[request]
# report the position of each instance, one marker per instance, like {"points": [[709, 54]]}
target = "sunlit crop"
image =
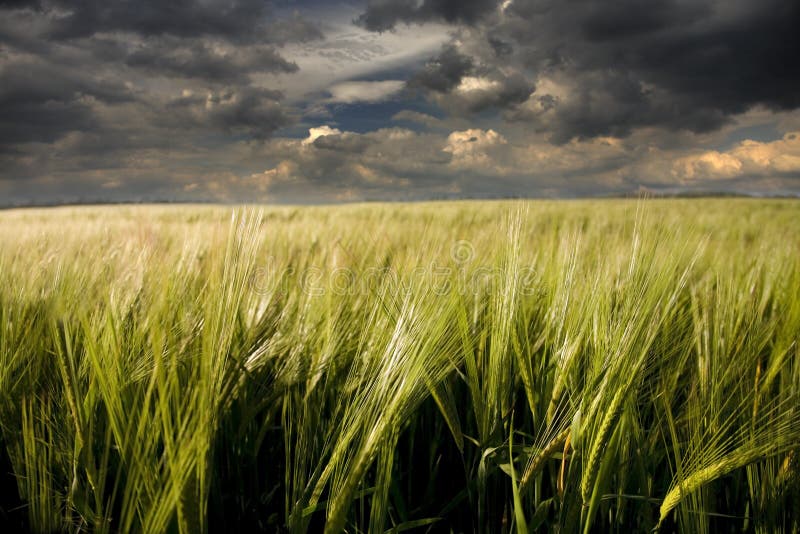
{"points": [[474, 367]]}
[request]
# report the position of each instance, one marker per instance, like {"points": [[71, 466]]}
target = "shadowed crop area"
{"points": [[592, 366]]}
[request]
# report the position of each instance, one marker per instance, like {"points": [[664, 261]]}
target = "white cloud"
{"points": [[321, 131], [746, 158], [352, 92], [781, 156], [471, 141], [348, 52], [417, 117], [470, 84], [705, 166], [470, 147]]}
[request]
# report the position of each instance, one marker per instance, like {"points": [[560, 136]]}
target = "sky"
{"points": [[322, 101]]}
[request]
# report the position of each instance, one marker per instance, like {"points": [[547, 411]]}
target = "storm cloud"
{"points": [[382, 15], [234, 20], [137, 73], [305, 100], [621, 65]]}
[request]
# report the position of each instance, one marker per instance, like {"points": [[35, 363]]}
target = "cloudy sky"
{"points": [[325, 101]]}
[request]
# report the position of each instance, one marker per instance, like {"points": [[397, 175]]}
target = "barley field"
{"points": [[538, 366]]}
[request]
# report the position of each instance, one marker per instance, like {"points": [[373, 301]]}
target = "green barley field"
{"points": [[564, 366]]}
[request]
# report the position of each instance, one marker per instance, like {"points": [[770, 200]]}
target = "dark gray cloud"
{"points": [[234, 19], [348, 165], [118, 100], [382, 15], [675, 64], [290, 29], [444, 72], [40, 102], [612, 103], [347, 143], [253, 112], [724, 55], [34, 81], [201, 60], [179, 99], [71, 19], [491, 90], [696, 65], [460, 84], [501, 48], [111, 70], [20, 4]]}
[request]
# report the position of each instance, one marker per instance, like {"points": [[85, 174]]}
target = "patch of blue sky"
{"points": [[763, 132]]}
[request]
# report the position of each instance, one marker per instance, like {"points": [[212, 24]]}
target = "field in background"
{"points": [[474, 367]]}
